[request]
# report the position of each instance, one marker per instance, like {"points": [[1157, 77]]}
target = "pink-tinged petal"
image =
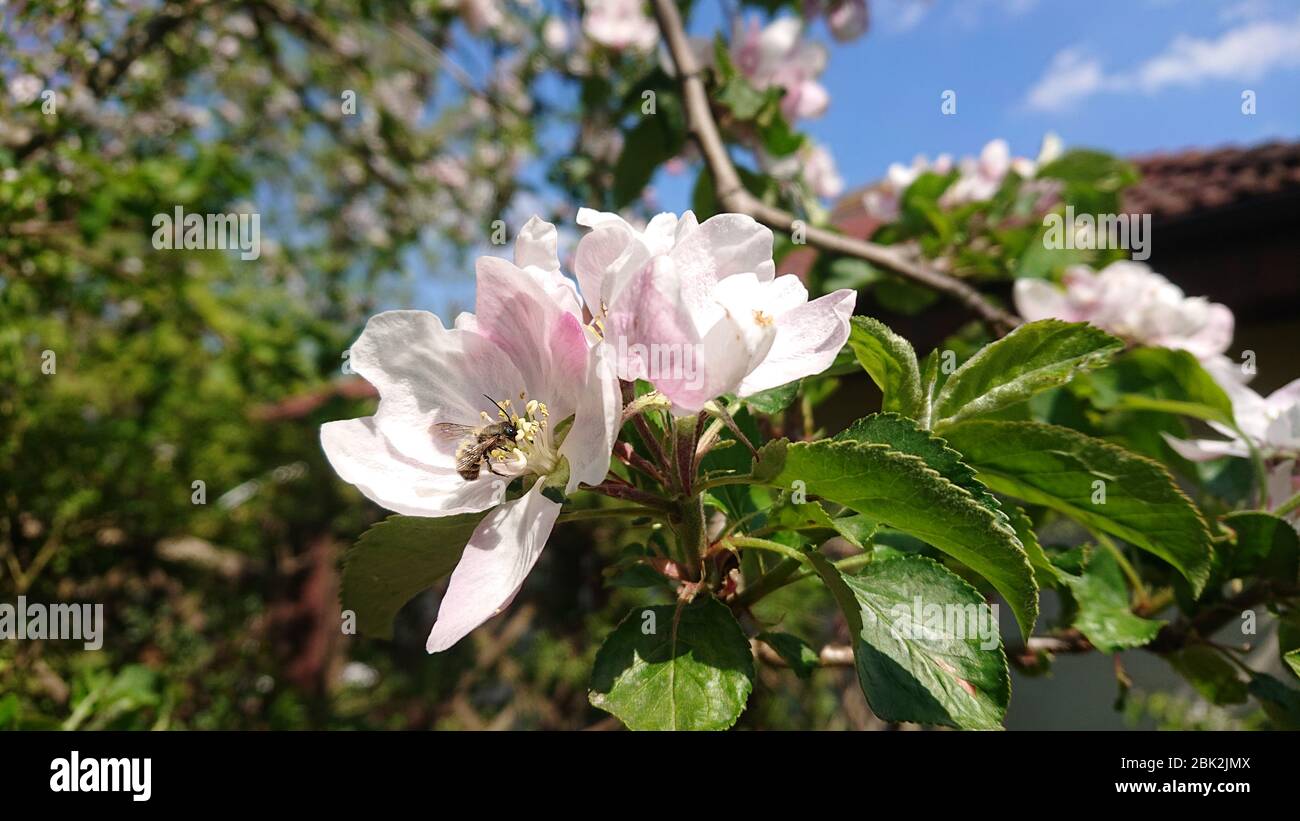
{"points": [[647, 319], [716, 365], [738, 341], [809, 100], [536, 255], [808, 338], [810, 57], [590, 439], [722, 246], [1203, 450], [1037, 299], [425, 374], [544, 341], [497, 559], [778, 39], [596, 254], [362, 456], [995, 159], [847, 19]]}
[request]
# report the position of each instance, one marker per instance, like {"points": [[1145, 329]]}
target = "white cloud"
{"points": [[1246, 52], [1072, 76], [899, 16]]}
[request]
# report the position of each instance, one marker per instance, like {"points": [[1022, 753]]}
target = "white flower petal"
{"points": [[426, 373], [537, 244], [362, 456], [1203, 450], [1038, 299], [590, 439], [808, 338], [497, 559]]}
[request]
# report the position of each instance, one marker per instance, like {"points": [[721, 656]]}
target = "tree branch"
{"points": [[733, 196]]}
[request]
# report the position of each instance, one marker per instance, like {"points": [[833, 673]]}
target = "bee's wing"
{"points": [[470, 455], [450, 430]]}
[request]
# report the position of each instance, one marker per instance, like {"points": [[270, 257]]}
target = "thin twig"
{"points": [[733, 196]]}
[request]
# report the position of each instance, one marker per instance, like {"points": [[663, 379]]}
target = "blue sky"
{"points": [[1128, 76]]}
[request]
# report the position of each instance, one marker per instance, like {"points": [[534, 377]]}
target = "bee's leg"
{"points": [[492, 468]]}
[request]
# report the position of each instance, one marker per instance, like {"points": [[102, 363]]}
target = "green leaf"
{"points": [[891, 363], [695, 674], [919, 209], [925, 643], [1066, 471], [737, 500], [1288, 640], [854, 274], [1045, 572], [794, 651], [1265, 546], [1033, 358], [1292, 659], [1160, 379], [1280, 702], [1092, 168], [779, 138], [1209, 673], [396, 559], [774, 400], [904, 434], [652, 142], [704, 201], [932, 377], [900, 490], [901, 296], [1039, 260], [1104, 614], [745, 101], [811, 516]]}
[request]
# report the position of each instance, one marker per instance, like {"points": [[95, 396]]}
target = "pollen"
{"points": [[530, 449], [763, 319]]}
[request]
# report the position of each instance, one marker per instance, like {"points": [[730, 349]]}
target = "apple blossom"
{"points": [[847, 19], [698, 310], [980, 177], [883, 199], [524, 358], [1271, 424], [1131, 301], [620, 25], [812, 163], [776, 56]]}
